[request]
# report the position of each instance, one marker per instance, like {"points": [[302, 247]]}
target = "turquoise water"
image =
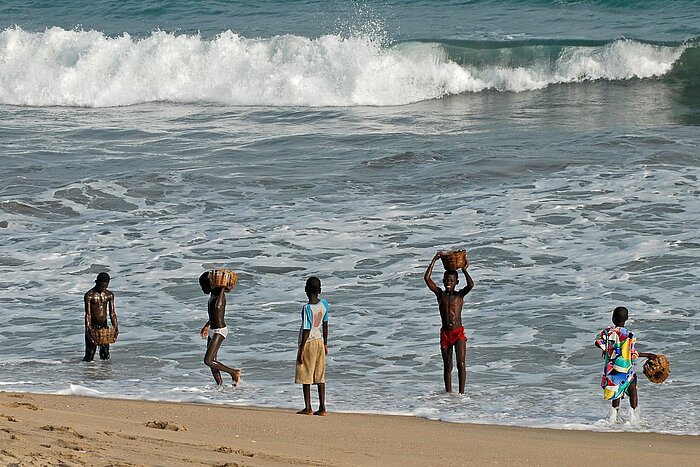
{"points": [[557, 141]]}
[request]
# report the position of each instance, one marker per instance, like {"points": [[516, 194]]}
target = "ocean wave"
{"points": [[61, 67]]}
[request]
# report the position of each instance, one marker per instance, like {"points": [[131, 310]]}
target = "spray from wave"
{"points": [[86, 68]]}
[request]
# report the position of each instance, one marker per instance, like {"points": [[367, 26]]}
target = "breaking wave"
{"points": [[61, 67]]}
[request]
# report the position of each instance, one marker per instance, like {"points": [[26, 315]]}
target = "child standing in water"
{"points": [[452, 333], [99, 302], [619, 376], [215, 331], [313, 347]]}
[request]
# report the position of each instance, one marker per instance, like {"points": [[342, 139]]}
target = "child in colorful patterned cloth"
{"points": [[619, 378]]}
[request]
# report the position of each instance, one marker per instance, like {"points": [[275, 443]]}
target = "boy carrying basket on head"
{"points": [[450, 302], [215, 331]]}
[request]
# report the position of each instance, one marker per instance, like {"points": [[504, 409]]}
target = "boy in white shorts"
{"points": [[215, 331]]}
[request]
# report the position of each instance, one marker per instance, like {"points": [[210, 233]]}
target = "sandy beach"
{"points": [[70, 430]]}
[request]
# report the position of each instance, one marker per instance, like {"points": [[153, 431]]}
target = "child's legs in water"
{"points": [[634, 398], [90, 348], [461, 351], [210, 359], [447, 367], [104, 352], [214, 372]]}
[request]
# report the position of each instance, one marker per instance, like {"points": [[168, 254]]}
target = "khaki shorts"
{"points": [[313, 367]]}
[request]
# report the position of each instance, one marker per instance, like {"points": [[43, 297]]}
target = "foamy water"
{"points": [[87, 68], [555, 244]]}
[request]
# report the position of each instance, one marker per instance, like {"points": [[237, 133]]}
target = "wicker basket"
{"points": [[455, 260], [103, 336], [657, 368], [222, 278]]}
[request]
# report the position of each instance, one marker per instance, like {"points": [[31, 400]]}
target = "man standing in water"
{"points": [[98, 302], [215, 330], [452, 331]]}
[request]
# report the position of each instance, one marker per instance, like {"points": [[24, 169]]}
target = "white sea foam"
{"points": [[78, 390], [87, 68], [30, 361]]}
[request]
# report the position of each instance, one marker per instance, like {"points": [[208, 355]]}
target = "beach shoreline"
{"points": [[40, 429]]}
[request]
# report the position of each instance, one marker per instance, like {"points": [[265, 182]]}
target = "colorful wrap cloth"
{"points": [[449, 337], [617, 344]]}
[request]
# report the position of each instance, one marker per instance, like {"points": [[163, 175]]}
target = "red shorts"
{"points": [[449, 337]]}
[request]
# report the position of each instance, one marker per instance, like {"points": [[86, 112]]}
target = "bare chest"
{"points": [[99, 300]]}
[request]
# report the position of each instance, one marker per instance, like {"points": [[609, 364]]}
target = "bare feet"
{"points": [[236, 376], [320, 412], [305, 412]]}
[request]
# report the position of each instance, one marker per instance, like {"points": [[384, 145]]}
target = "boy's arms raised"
{"points": [[220, 304], [428, 273], [470, 283]]}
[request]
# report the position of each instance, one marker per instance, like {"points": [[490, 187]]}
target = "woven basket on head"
{"points": [[455, 260], [103, 336], [657, 368], [223, 278]]}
